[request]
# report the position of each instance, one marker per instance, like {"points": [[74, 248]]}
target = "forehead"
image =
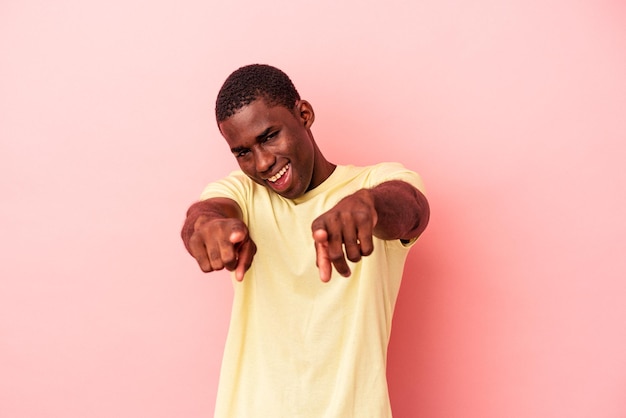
{"points": [[254, 119]]}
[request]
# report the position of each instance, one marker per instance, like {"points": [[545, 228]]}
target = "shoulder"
{"points": [[387, 171], [235, 183]]}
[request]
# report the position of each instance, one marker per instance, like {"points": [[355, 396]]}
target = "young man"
{"points": [[299, 343]]}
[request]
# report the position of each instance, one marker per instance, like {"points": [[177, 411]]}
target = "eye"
{"points": [[271, 136], [243, 153]]}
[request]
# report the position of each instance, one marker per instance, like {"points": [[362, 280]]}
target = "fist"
{"points": [[344, 232], [220, 243]]}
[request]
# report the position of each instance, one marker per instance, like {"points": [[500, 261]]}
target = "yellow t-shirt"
{"points": [[298, 347]]}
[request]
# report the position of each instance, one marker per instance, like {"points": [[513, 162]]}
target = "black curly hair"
{"points": [[251, 82]]}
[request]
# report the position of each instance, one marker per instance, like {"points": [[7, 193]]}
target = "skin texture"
{"points": [[271, 140], [391, 210], [266, 139]]}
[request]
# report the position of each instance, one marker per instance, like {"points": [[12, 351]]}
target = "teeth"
{"points": [[278, 175]]}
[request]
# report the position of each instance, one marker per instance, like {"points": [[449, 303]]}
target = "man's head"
{"points": [[268, 129], [252, 82]]}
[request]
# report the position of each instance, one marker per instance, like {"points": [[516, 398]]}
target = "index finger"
{"points": [[244, 260], [322, 259]]}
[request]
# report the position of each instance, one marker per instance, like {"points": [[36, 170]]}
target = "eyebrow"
{"points": [[259, 138], [265, 133]]}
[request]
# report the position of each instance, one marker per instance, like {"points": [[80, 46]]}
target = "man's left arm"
{"points": [[392, 210]]}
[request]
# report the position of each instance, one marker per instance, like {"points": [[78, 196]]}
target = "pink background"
{"points": [[514, 112]]}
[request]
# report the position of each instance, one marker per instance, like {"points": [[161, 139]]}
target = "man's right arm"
{"points": [[215, 235]]}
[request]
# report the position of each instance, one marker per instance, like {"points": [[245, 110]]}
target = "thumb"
{"points": [[320, 236], [237, 235]]}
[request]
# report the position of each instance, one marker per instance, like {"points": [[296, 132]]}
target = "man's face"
{"points": [[273, 146]]}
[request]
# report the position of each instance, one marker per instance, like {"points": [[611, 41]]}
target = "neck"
{"points": [[322, 168]]}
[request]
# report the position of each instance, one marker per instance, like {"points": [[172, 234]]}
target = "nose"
{"points": [[263, 160]]}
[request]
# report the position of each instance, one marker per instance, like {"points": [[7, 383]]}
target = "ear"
{"points": [[304, 111]]}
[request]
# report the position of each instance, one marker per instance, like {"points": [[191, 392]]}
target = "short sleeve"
{"points": [[235, 186], [395, 171]]}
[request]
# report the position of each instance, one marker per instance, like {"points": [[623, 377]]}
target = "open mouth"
{"points": [[278, 175], [280, 181]]}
